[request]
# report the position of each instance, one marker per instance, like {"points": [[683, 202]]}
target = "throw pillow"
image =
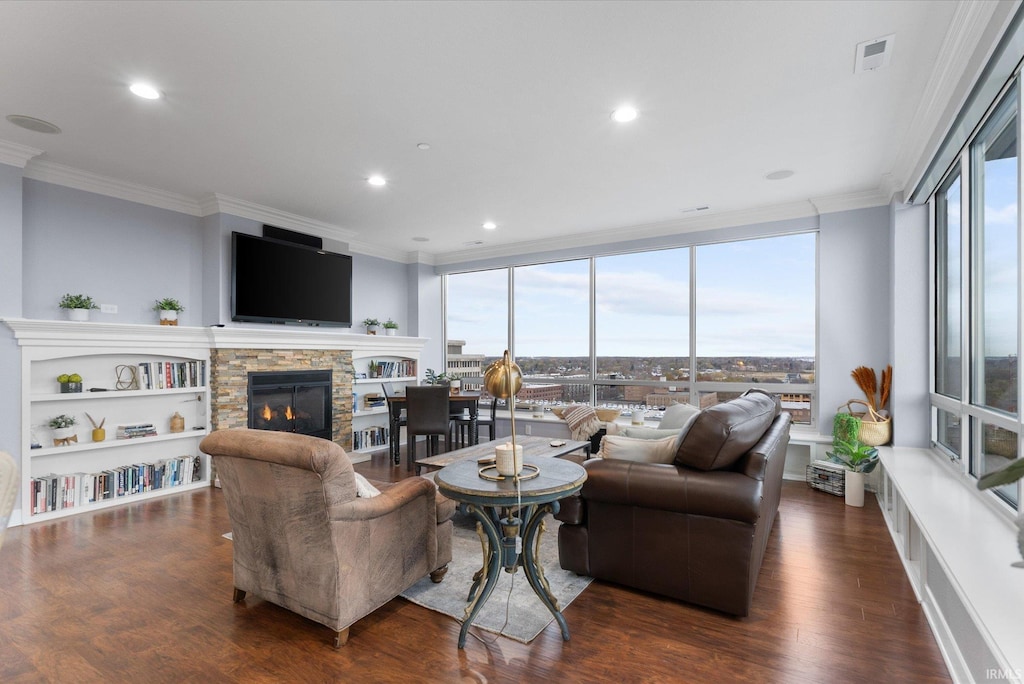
{"points": [[364, 489], [638, 450], [647, 433], [678, 415]]}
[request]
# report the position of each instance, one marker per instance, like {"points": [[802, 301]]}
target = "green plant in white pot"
{"points": [[78, 306], [390, 327], [168, 308], [859, 459], [371, 325], [63, 427]]}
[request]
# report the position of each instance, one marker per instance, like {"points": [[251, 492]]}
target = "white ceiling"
{"points": [[292, 105]]}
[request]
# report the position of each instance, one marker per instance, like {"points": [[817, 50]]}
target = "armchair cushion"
{"points": [[678, 416], [721, 434]]}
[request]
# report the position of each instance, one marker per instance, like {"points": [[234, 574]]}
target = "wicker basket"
{"points": [[827, 477], [875, 429]]}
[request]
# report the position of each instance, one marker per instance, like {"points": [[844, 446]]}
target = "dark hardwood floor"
{"points": [[142, 593]]}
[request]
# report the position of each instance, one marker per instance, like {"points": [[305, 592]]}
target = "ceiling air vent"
{"points": [[874, 54]]}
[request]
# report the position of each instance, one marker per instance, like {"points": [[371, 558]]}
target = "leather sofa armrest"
{"points": [[718, 494], [570, 510]]}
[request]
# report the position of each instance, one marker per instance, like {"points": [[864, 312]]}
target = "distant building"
{"points": [[464, 365], [540, 393]]}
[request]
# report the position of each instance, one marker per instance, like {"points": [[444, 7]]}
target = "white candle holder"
{"points": [[508, 459]]}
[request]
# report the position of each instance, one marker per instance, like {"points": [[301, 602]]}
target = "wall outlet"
{"points": [[108, 308]]}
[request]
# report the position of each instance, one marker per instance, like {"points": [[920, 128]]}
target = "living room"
{"points": [[109, 218]]}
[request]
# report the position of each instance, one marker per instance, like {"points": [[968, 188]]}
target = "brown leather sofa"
{"points": [[304, 540], [695, 529]]}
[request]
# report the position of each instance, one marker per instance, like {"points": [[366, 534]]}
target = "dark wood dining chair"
{"points": [[395, 426], [426, 413]]}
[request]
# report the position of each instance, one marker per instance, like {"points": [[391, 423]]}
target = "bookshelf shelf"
{"points": [[112, 443], [113, 394]]}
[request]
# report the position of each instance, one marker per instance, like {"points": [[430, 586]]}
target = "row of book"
{"points": [[136, 430], [171, 374], [405, 368], [370, 437], [57, 492]]}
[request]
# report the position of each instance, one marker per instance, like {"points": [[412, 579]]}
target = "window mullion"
{"points": [[694, 393]]}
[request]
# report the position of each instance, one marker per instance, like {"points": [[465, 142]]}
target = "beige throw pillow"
{"points": [[638, 450]]}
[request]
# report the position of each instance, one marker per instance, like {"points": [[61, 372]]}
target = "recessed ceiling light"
{"points": [[377, 180], [625, 114], [33, 124], [421, 239], [781, 174], [490, 225], [144, 90], [423, 146]]}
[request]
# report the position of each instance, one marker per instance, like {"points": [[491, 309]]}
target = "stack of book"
{"points": [[136, 430]]}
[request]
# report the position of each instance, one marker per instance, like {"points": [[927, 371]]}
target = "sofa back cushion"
{"points": [[724, 432]]}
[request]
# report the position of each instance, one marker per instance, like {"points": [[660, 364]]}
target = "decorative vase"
{"points": [[854, 488], [78, 314], [371, 330], [168, 317], [70, 387], [177, 422], [391, 331], [638, 417], [99, 435], [455, 386], [64, 436]]}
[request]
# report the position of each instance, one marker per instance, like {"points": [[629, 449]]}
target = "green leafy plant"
{"points": [[62, 421], [168, 304], [370, 322], [432, 378], [855, 455], [77, 301], [390, 324]]}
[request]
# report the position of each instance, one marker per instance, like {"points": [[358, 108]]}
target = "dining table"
{"points": [[458, 401]]}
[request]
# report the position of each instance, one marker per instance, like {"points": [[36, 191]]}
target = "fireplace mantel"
{"points": [[31, 332]]}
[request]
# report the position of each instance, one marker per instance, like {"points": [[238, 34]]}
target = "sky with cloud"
{"points": [[754, 298]]}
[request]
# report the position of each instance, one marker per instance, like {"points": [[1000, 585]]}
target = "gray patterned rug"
{"points": [[519, 615]]}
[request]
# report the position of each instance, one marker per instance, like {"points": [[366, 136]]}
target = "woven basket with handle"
{"points": [[875, 429]]}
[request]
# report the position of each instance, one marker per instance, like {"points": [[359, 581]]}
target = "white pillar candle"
{"points": [[507, 462]]}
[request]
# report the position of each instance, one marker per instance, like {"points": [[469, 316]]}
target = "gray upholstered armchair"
{"points": [[303, 539]]}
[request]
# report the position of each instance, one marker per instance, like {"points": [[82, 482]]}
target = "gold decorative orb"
{"points": [[501, 380]]}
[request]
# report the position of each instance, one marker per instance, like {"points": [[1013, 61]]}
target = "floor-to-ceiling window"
{"points": [[977, 254], [696, 324]]}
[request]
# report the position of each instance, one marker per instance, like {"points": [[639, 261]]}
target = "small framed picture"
{"points": [[360, 376]]}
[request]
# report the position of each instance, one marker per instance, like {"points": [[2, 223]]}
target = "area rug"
{"points": [[521, 615]]}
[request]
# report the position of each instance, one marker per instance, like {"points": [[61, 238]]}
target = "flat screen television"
{"points": [[273, 281]]}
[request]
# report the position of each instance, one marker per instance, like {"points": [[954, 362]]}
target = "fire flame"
{"points": [[266, 412], [288, 413]]}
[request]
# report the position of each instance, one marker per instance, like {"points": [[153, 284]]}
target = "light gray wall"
{"points": [[380, 290], [426, 313], [115, 251], [854, 300], [10, 305], [909, 340]]}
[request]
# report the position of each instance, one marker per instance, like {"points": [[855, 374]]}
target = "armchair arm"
{"points": [[412, 490], [717, 494]]}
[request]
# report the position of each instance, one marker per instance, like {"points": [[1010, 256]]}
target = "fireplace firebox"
{"points": [[291, 401]]}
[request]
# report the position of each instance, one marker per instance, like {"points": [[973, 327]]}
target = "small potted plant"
{"points": [[77, 306], [70, 383], [168, 308], [859, 459], [432, 378], [371, 325], [390, 327], [63, 427]]}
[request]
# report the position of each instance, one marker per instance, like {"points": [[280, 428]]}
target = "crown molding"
{"points": [[963, 36], [379, 251], [223, 204], [727, 219], [58, 174], [17, 155]]}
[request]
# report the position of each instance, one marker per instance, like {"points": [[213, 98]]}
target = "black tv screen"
{"points": [[273, 281]]}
